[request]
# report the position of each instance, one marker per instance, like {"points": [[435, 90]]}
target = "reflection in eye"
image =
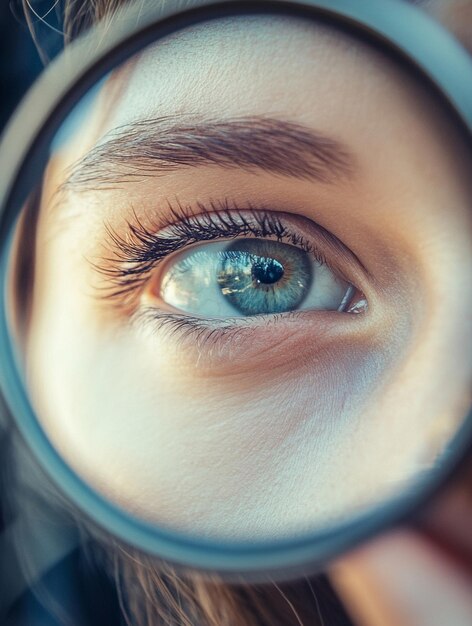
{"points": [[266, 262], [251, 277]]}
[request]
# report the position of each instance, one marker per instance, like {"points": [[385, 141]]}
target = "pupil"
{"points": [[267, 271]]}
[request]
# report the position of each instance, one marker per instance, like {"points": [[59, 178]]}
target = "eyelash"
{"points": [[141, 249]]}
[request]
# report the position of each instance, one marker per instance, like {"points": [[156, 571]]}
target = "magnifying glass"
{"points": [[236, 254]]}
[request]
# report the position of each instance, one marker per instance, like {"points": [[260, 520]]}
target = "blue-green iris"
{"points": [[264, 276]]}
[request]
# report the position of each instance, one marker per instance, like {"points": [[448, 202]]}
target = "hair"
{"points": [[151, 593]]}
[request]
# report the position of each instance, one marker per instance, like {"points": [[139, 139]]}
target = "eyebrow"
{"points": [[155, 146]]}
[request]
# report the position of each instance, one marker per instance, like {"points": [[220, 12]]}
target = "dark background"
{"points": [[20, 61]]}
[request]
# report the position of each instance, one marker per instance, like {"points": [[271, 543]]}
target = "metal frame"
{"points": [[410, 36]]}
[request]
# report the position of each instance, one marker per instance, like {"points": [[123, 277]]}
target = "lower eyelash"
{"points": [[201, 331]]}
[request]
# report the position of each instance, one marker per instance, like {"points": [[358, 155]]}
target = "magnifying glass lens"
{"points": [[239, 296]]}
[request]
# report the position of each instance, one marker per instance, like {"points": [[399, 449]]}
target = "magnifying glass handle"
{"points": [[447, 520], [416, 576]]}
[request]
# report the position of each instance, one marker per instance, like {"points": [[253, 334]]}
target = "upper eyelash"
{"points": [[141, 249]]}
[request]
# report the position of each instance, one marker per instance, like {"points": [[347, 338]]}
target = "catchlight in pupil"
{"points": [[267, 271]]}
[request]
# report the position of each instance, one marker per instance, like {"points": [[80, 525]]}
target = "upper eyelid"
{"points": [[127, 247], [225, 212]]}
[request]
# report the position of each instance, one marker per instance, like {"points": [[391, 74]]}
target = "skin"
{"points": [[294, 422]]}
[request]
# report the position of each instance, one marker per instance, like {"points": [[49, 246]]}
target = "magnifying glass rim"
{"points": [[435, 54]]}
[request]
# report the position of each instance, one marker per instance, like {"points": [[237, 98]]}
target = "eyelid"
{"points": [[147, 242], [211, 347]]}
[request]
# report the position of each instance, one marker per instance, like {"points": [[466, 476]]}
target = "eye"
{"points": [[246, 277], [221, 262]]}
